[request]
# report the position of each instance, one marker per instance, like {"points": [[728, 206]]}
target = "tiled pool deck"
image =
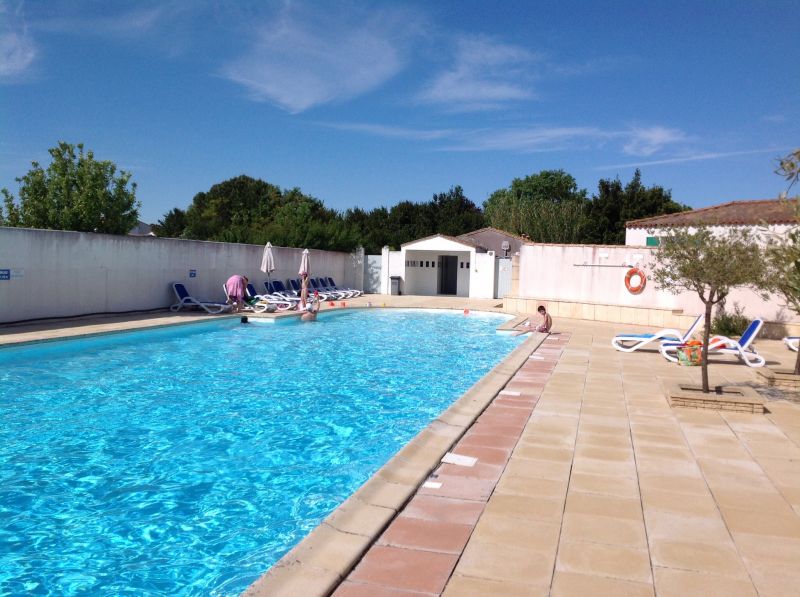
{"points": [[587, 482]]}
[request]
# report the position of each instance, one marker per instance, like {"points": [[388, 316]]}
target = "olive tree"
{"points": [[783, 254], [75, 192], [709, 264]]}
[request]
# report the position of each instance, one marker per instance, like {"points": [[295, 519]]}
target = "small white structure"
{"points": [[441, 265]]}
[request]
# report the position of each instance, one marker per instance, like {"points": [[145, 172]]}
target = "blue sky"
{"points": [[370, 103]]}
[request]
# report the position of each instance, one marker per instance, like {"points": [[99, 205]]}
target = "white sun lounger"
{"points": [[792, 342], [722, 345], [187, 300], [631, 342]]}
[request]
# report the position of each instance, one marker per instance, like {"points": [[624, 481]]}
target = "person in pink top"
{"points": [[236, 289]]}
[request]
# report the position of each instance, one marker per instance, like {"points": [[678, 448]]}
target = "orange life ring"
{"points": [[635, 271]]}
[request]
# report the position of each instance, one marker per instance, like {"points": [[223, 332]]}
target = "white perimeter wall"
{"points": [[60, 274], [596, 274]]}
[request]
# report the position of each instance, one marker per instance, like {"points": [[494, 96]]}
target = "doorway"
{"points": [[448, 274]]}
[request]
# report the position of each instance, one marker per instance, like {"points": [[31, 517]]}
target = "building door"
{"points": [[448, 274], [503, 280]]}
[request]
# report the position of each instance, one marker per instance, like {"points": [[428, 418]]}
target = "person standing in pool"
{"points": [[236, 289], [311, 309], [303, 290]]}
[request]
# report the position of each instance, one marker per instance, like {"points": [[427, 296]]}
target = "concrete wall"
{"points": [[392, 264], [372, 274], [421, 273], [60, 274], [595, 275]]}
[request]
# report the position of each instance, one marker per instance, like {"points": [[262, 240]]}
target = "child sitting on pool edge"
{"points": [[547, 321]]}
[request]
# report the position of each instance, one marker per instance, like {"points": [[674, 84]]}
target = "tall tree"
{"points": [[547, 206], [172, 225], [709, 265], [614, 205], [75, 192], [454, 213], [230, 209]]}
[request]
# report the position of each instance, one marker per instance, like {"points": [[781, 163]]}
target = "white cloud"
{"points": [[17, 48], [650, 140], [486, 74], [301, 62], [528, 140], [693, 158], [396, 132], [17, 53]]}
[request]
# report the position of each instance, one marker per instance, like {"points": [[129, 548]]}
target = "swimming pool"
{"points": [[188, 460]]}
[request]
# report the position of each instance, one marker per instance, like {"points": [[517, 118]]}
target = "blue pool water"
{"points": [[186, 461]]}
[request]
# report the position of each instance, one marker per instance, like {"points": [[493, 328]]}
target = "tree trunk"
{"points": [[797, 364], [706, 336]]}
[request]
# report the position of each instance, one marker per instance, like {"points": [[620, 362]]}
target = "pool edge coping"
{"points": [[324, 558]]}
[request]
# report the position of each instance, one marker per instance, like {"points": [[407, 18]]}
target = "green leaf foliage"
{"points": [[248, 210], [547, 206], [783, 261], [75, 192], [614, 205], [172, 225], [709, 264]]}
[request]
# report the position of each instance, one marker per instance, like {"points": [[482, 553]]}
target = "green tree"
{"points": [[614, 205], [454, 214], [75, 192], [371, 228], [709, 265], [783, 254], [231, 210], [172, 225], [547, 206], [408, 221]]}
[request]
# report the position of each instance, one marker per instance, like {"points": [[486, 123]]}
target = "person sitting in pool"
{"points": [[547, 321], [236, 290], [311, 309]]}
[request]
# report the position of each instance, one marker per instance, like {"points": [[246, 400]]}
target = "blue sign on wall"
{"points": [[192, 273], [5, 274]]}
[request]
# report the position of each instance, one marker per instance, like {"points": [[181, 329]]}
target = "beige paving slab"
{"points": [[570, 584], [680, 583], [604, 560]]}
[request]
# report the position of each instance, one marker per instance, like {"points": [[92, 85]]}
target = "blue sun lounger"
{"points": [[332, 284], [187, 300], [631, 342], [722, 345]]}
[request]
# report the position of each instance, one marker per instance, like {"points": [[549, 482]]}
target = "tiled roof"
{"points": [[733, 213], [492, 229]]}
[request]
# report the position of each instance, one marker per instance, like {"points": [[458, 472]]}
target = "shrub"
{"points": [[729, 324]]}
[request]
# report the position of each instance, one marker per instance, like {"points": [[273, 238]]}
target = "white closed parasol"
{"points": [[268, 262], [305, 269]]}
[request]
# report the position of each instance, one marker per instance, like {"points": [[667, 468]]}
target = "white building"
{"points": [[771, 215], [476, 265]]}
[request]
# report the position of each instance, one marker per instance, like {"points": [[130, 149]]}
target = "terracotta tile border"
{"points": [[407, 516], [319, 563]]}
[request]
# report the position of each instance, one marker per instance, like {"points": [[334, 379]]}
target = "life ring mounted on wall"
{"points": [[639, 287]]}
